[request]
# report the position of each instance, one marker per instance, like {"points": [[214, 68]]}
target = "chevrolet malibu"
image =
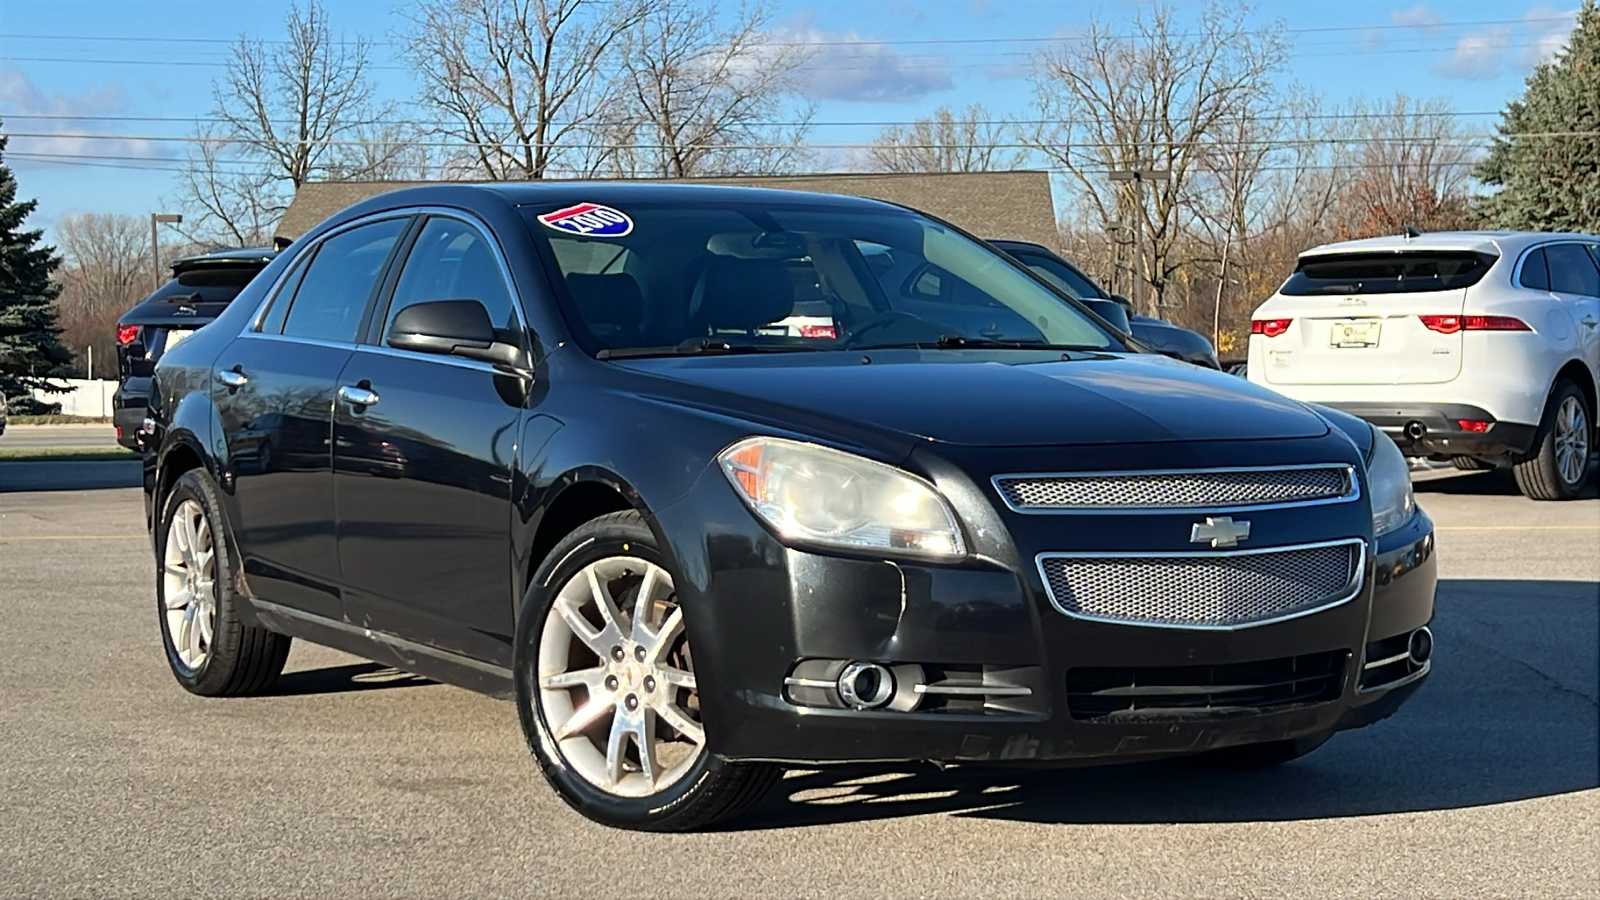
{"points": [[553, 442]]}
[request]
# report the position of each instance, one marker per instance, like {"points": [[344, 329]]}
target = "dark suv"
{"points": [[201, 288], [548, 441]]}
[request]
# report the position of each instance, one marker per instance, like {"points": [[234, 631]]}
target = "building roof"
{"points": [[1013, 205]]}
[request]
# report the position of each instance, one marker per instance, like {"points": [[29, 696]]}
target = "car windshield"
{"points": [[755, 278], [1387, 273]]}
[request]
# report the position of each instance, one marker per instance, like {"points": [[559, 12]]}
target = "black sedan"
{"points": [[1157, 334], [201, 287], [565, 443]]}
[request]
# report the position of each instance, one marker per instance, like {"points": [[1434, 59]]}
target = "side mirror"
{"points": [[1122, 301], [453, 328], [1113, 313]]}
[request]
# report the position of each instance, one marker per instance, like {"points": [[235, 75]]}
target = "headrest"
{"points": [[613, 300], [743, 293]]}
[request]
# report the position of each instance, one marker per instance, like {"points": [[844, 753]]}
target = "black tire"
{"points": [[1251, 757], [1470, 464], [241, 660], [1538, 473], [711, 791]]}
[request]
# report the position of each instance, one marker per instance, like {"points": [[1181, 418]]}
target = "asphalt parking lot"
{"points": [[357, 781]]}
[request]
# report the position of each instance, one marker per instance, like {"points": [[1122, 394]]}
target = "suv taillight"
{"points": [[127, 334], [1453, 324], [1269, 327]]}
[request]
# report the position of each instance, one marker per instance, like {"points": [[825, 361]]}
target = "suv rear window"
{"points": [[207, 284], [1387, 273]]}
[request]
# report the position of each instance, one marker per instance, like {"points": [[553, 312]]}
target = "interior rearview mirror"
{"points": [[454, 328]]}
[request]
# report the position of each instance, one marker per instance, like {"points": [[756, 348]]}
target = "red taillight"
{"points": [[1473, 425], [818, 331], [1269, 327], [127, 334], [1453, 324]]}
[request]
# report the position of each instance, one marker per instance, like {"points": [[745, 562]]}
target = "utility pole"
{"points": [[155, 241], [1138, 177]]}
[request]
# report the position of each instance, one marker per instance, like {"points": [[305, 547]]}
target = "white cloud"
{"points": [[1551, 28], [20, 96], [846, 66], [1478, 55], [1419, 16]]}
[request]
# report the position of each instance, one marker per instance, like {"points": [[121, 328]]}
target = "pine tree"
{"points": [[30, 343], [1546, 161]]}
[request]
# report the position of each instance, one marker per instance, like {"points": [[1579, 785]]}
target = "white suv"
{"points": [[1481, 347]]}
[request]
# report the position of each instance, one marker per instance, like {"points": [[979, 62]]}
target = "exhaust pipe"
{"points": [[1421, 645], [1416, 430], [865, 685]]}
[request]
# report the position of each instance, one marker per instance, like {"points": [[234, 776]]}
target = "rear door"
{"points": [[1575, 282], [423, 472], [1372, 318], [274, 397]]}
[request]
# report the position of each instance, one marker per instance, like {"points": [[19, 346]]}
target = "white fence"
{"points": [[89, 398]]}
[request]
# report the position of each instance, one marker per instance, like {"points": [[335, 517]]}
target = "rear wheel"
{"points": [[607, 691], [210, 651], [1558, 465]]}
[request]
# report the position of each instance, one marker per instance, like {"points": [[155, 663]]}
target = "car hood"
{"points": [[992, 399]]}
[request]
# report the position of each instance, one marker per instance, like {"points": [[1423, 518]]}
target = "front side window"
{"points": [[332, 296], [452, 260], [800, 278], [1387, 272], [1572, 270]]}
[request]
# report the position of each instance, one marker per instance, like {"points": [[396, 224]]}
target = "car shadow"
{"points": [[345, 679], [1509, 713]]}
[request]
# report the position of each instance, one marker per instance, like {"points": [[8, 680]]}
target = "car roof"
{"points": [[1494, 242]]}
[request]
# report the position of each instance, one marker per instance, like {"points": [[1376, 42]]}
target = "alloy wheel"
{"points": [[616, 682], [189, 584], [1571, 440]]}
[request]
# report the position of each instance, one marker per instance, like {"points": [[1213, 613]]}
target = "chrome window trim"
{"points": [[253, 324], [1357, 580], [1354, 493], [309, 342], [459, 362]]}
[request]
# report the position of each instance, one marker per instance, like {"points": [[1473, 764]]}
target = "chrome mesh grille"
{"points": [[1199, 590], [1199, 489]]}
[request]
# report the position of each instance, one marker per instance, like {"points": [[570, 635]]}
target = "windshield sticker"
{"points": [[589, 220]]}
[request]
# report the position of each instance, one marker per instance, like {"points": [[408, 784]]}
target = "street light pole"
{"points": [[155, 241], [1139, 177]]}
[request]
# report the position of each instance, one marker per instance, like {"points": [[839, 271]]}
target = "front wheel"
{"points": [[607, 691], [1558, 465]]}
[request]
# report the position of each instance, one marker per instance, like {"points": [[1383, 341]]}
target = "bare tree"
{"points": [[703, 98], [1148, 102], [105, 271], [1413, 168], [227, 200], [968, 141], [520, 81]]}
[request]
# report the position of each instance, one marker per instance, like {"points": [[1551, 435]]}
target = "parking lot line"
{"points": [[72, 537]]}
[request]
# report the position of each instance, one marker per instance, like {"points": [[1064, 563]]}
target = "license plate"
{"points": [[1360, 333], [177, 334]]}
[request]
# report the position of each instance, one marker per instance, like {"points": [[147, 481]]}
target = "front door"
{"points": [[274, 396], [1575, 281], [424, 447]]}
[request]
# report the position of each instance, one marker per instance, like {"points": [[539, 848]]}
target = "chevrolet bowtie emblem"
{"points": [[1221, 531]]}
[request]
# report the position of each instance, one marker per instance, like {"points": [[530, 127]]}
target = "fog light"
{"points": [[865, 685]]}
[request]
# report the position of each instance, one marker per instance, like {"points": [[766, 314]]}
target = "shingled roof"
{"points": [[1012, 205]]}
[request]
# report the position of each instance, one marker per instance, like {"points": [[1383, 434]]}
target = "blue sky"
{"points": [[110, 58]]}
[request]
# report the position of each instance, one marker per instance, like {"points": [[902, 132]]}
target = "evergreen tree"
{"points": [[1546, 161], [30, 343]]}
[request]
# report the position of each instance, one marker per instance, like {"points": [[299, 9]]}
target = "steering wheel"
{"points": [[880, 322]]}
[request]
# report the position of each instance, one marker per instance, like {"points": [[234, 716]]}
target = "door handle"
{"points": [[357, 396], [232, 378], [1589, 322]]}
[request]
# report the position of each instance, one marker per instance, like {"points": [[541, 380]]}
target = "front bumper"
{"points": [[760, 609]]}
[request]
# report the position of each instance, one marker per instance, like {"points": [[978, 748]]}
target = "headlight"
{"points": [[816, 495], [1389, 479]]}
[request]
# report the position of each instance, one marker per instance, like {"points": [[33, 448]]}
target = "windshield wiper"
{"points": [[700, 347], [962, 342]]}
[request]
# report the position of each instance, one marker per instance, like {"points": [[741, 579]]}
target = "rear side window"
{"points": [[1535, 274], [1387, 273], [1572, 270], [332, 296]]}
